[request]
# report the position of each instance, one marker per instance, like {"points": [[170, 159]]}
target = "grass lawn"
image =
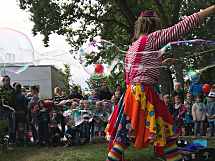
{"points": [[94, 152]]}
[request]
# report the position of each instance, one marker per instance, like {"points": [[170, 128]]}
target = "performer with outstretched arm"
{"points": [[141, 112]]}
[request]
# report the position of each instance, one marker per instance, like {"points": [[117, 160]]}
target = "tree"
{"points": [[112, 19], [96, 81], [83, 19], [67, 78], [80, 20]]}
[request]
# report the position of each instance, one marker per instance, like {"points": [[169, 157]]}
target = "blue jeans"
{"points": [[188, 129], [211, 127], [199, 128]]}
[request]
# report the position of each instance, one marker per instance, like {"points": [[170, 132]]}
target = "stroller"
{"points": [[7, 125]]}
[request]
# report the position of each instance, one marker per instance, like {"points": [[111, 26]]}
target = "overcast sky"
{"points": [[13, 17]]}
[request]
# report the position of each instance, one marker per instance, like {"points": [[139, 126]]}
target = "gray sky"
{"points": [[13, 17]]}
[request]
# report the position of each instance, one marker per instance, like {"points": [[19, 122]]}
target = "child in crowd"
{"points": [[107, 107], [100, 119], [93, 97], [34, 108], [83, 124], [168, 103], [81, 104], [199, 115], [43, 121], [81, 110], [114, 101], [72, 133], [210, 112], [179, 111], [178, 90], [74, 110], [85, 128], [188, 120], [87, 106], [54, 130]]}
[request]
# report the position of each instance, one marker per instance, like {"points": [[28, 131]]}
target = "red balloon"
{"points": [[99, 68], [206, 88]]}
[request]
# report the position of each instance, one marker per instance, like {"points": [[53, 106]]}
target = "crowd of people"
{"points": [[194, 115], [67, 120], [76, 119]]}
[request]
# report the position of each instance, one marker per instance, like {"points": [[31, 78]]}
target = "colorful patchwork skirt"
{"points": [[140, 117]]}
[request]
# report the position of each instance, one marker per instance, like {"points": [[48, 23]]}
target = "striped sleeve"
{"points": [[162, 37]]}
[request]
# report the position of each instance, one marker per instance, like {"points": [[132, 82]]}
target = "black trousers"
{"points": [[43, 132]]}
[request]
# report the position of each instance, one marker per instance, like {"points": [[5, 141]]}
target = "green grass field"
{"points": [[93, 152]]}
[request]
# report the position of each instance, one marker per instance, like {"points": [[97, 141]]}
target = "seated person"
{"points": [[100, 119], [54, 131]]}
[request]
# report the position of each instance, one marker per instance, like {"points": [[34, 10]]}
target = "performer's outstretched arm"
{"points": [[206, 12], [162, 37]]}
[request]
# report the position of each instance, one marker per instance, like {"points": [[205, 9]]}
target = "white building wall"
{"points": [[34, 75]]}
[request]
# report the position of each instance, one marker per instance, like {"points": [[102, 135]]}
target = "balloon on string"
{"points": [[99, 69], [206, 88]]}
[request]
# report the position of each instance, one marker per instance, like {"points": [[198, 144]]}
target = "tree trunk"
{"points": [[179, 73], [166, 81]]}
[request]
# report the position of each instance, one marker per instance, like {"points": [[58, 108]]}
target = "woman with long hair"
{"points": [[141, 111]]}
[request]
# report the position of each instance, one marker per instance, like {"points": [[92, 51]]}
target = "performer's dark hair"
{"points": [[146, 25]]}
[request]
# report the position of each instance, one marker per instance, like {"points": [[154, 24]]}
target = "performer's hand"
{"points": [[206, 12]]}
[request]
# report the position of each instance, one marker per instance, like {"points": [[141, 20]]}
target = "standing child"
{"points": [[210, 112], [168, 102], [188, 120], [199, 115], [43, 122], [179, 111], [178, 90], [34, 108]]}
